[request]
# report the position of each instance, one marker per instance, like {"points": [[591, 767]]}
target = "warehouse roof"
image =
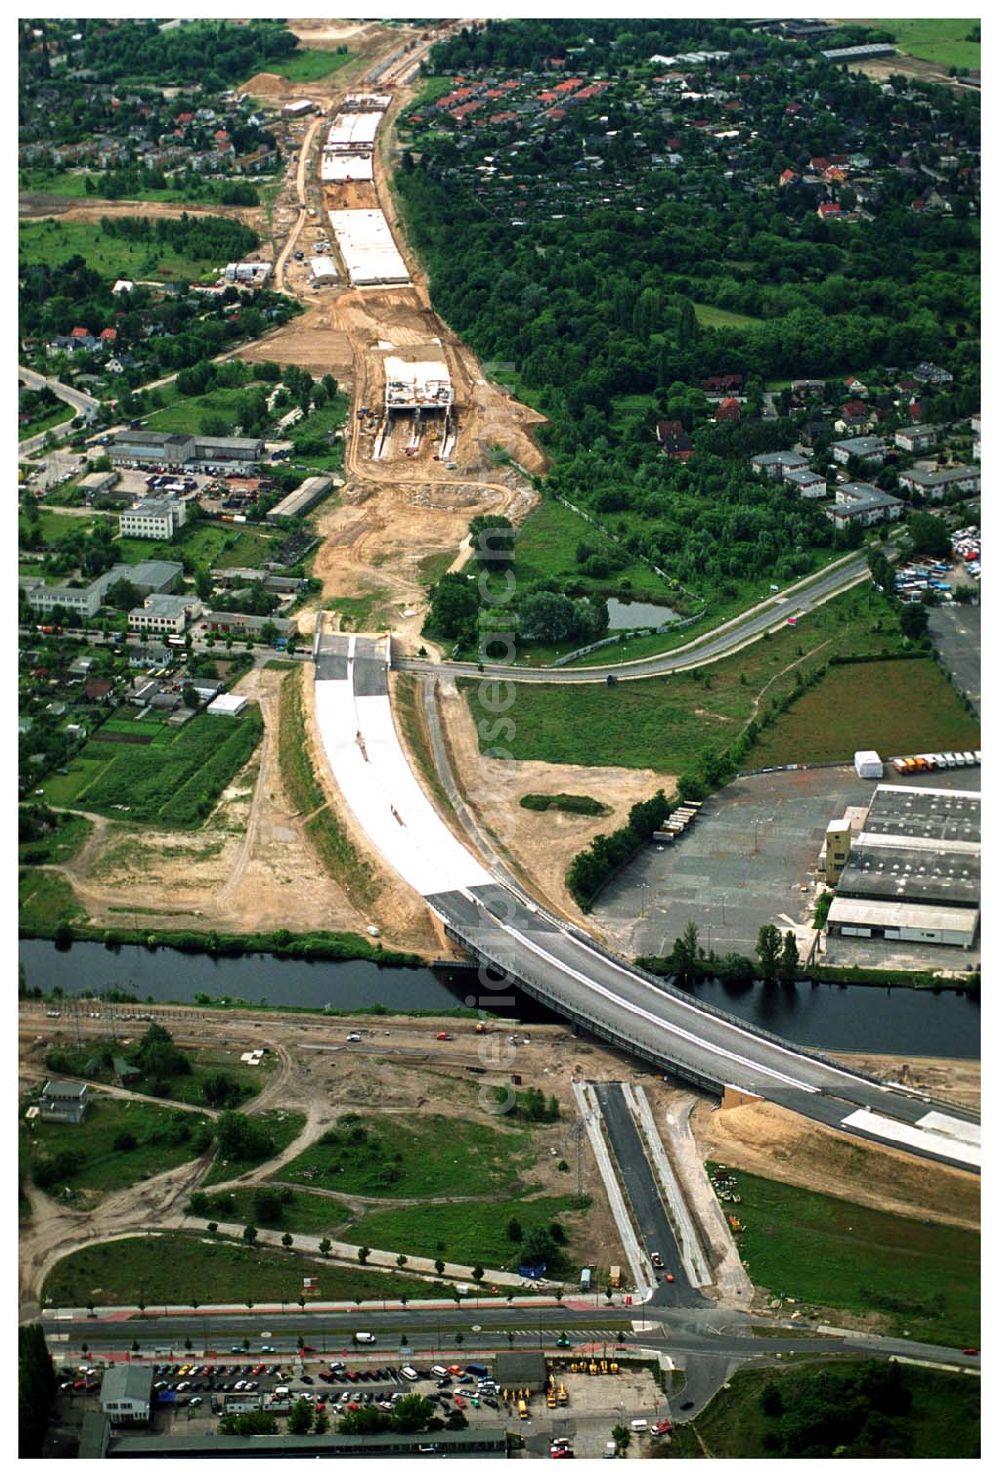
{"points": [[885, 913], [911, 873], [911, 811]]}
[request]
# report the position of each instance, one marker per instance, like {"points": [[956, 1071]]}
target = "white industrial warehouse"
{"points": [[367, 247]]}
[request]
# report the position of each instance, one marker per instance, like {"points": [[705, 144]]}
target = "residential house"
{"points": [[775, 464], [932, 374], [728, 409], [856, 413], [809, 484], [674, 440], [944, 480], [863, 503], [916, 438], [868, 448]]}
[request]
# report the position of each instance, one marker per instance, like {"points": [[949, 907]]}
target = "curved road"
{"points": [[769, 615]]}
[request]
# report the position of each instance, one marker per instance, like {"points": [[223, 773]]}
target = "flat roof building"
{"points": [[64, 1101], [304, 497], [165, 613], [808, 483], [775, 464], [913, 870], [862, 502], [152, 518], [943, 480]]}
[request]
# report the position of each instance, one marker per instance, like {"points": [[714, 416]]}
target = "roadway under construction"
{"points": [[572, 973]]}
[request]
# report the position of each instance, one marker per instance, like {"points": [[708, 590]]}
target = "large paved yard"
{"points": [[749, 860]]}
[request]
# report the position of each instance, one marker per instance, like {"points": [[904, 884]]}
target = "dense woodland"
{"points": [[212, 52], [593, 302]]}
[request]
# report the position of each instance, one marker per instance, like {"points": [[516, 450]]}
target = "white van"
{"points": [[280, 1392], [439, 1371], [364, 1339], [408, 1373], [639, 1424]]}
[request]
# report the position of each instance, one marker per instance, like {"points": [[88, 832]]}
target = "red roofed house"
{"points": [[185, 117], [819, 164], [108, 335], [915, 410], [792, 108], [718, 383], [674, 440], [556, 113], [855, 413], [728, 409], [505, 117], [220, 136], [835, 172], [788, 177], [827, 209], [79, 333]]}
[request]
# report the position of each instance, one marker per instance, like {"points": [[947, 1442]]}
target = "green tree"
{"points": [[439, 1265], [412, 1413], [300, 1418], [929, 535], [913, 620], [789, 963], [250, 1234], [286, 1240], [685, 957], [769, 947], [325, 1246], [363, 1255], [621, 1437]]}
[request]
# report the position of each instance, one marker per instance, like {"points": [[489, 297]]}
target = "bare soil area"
{"points": [[34, 205], [954, 1079], [770, 1141], [249, 868], [539, 844]]}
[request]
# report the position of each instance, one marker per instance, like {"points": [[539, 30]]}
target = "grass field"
{"points": [[667, 723], [308, 66], [66, 182], [470, 1231], [58, 845], [162, 1140], [355, 610], [44, 900], [175, 1267], [546, 549], [316, 1216], [173, 782], [820, 1250], [113, 256], [55, 526], [941, 41], [283, 1126], [734, 1425], [414, 1155], [206, 544], [191, 412], [709, 316], [54, 417], [906, 706]]}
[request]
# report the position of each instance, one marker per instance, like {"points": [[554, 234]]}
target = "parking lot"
{"points": [[750, 859], [590, 1394], [957, 634]]}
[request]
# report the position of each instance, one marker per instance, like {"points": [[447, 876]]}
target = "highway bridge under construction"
{"points": [[562, 966]]}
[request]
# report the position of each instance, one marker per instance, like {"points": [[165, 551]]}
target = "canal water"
{"points": [[850, 1018]]}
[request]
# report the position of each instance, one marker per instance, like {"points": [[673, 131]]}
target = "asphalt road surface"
{"points": [[569, 972], [648, 1213]]}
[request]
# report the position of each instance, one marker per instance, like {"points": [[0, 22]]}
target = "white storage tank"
{"points": [[867, 764]]}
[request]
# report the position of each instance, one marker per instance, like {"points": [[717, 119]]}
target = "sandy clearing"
{"points": [[770, 1141], [954, 1080]]}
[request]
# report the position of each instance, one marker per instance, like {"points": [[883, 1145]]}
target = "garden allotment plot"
{"points": [[150, 772]]}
